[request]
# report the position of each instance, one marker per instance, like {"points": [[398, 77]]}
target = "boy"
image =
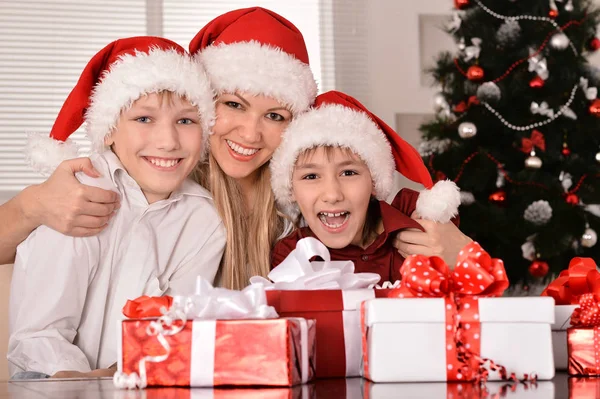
{"points": [[335, 166], [147, 107]]}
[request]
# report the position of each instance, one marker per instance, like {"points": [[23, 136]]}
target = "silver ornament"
{"points": [[439, 102], [598, 157], [559, 41], [533, 162], [466, 130], [589, 238], [489, 92], [569, 6]]}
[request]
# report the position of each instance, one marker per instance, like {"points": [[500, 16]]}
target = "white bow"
{"points": [[538, 65], [454, 24], [569, 113], [590, 92], [296, 272], [542, 109], [474, 50]]}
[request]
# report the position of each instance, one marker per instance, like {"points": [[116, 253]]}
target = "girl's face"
{"points": [[247, 131], [332, 187]]}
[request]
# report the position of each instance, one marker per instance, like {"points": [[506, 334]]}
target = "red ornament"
{"points": [[566, 151], [553, 13], [595, 108], [499, 197], [594, 44], [536, 83], [475, 72], [538, 268], [572, 199], [462, 4]]}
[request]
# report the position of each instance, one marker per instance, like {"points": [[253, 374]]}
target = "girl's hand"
{"points": [[69, 207]]}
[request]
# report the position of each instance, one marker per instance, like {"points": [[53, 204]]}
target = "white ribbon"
{"points": [[474, 50], [297, 272], [386, 285], [454, 24], [590, 92], [538, 65], [542, 109]]}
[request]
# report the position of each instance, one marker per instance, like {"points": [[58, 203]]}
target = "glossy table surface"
{"points": [[561, 387]]}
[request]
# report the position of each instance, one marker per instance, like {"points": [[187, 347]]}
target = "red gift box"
{"points": [[270, 352], [338, 331]]}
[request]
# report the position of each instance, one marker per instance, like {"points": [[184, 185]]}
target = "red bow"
{"points": [[475, 273], [580, 278], [463, 106], [588, 312], [146, 306], [537, 139]]}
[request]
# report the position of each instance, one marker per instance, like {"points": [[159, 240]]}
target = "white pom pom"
{"points": [[538, 213], [440, 203], [44, 153]]}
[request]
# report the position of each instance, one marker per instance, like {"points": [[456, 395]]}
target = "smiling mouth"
{"points": [[334, 220], [238, 149], [164, 163]]}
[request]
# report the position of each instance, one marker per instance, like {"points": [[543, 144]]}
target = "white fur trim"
{"points": [[338, 126], [133, 76], [261, 70], [439, 203], [44, 153]]}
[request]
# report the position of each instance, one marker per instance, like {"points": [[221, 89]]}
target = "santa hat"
{"points": [[339, 120], [257, 51], [114, 78]]}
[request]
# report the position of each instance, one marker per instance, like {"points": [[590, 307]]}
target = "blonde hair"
{"points": [[251, 234]]}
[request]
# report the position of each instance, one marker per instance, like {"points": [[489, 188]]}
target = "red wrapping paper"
{"points": [[326, 307], [584, 388], [247, 352]]}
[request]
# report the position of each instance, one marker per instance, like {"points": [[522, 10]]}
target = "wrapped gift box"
{"points": [[406, 340], [338, 325], [584, 388], [562, 321], [271, 352], [584, 350], [305, 391]]}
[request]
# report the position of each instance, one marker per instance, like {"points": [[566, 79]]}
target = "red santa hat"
{"points": [[339, 120], [258, 51], [114, 78]]}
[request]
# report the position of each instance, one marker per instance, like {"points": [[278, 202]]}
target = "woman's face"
{"points": [[247, 131]]}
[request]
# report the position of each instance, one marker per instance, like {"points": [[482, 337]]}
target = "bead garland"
{"points": [[536, 124]]}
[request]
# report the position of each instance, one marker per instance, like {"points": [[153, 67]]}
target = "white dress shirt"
{"points": [[67, 293]]}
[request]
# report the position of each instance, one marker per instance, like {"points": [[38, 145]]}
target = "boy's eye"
{"points": [[349, 173], [275, 117], [310, 176], [233, 104], [143, 119], [185, 121]]}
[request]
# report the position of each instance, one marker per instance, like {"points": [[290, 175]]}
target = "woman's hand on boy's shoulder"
{"points": [[69, 207], [439, 239]]}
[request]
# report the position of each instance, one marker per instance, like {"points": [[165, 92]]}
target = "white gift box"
{"points": [[406, 338], [562, 321]]}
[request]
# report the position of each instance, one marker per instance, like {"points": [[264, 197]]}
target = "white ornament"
{"points": [[589, 238], [594, 209], [489, 92], [454, 24], [508, 33], [538, 64], [533, 162], [590, 92], [439, 102], [559, 41], [598, 157], [541, 109], [473, 50], [466, 198], [538, 213], [528, 249], [466, 130], [566, 180]]}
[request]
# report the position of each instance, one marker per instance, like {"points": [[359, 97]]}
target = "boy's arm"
{"points": [[48, 292], [61, 202]]}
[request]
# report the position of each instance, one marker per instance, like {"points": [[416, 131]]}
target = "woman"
{"points": [[258, 64]]}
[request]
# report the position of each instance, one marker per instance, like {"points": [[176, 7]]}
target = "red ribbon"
{"points": [[537, 139], [580, 278], [463, 106], [146, 306]]}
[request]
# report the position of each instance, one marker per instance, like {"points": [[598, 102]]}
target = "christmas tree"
{"points": [[517, 127]]}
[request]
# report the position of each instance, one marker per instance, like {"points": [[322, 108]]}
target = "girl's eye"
{"points": [[349, 173], [143, 119], [185, 121], [233, 104], [310, 176], [275, 117]]}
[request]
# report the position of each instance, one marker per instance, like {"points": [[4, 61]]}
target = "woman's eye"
{"points": [[349, 173], [275, 117], [143, 119], [233, 104], [310, 176], [185, 121]]}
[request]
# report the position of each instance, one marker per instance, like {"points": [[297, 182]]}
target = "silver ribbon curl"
{"points": [[538, 65], [473, 51], [590, 92], [542, 109]]}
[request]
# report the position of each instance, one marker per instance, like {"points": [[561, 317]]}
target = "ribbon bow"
{"points": [[538, 64], [456, 21], [580, 278], [475, 273], [536, 140], [542, 109], [463, 106], [474, 50], [588, 312], [297, 272], [590, 92]]}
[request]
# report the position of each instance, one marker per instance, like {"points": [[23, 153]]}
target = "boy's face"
{"points": [[158, 141], [333, 187]]}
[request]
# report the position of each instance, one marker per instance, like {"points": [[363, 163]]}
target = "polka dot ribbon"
{"points": [[580, 278]]}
